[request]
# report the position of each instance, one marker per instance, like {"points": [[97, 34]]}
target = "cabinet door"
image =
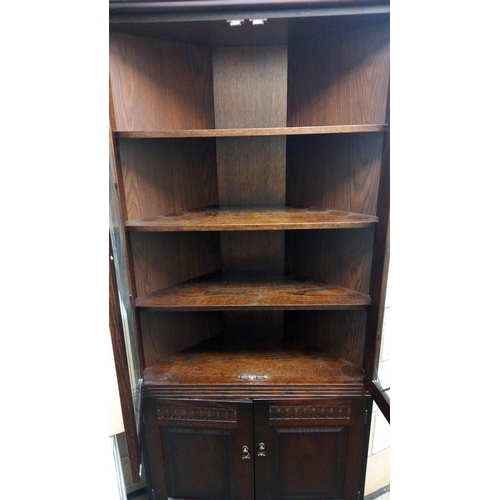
{"points": [[196, 449], [309, 449]]}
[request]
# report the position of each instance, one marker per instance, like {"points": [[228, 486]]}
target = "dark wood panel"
{"points": [[164, 259], [339, 79], [251, 170], [155, 454], [252, 291], [160, 85], [253, 250], [250, 86], [337, 172], [357, 449], [340, 257], [203, 445], [253, 326], [341, 333], [366, 74], [167, 176], [250, 91], [253, 218], [182, 6], [252, 132], [167, 333], [306, 448]]}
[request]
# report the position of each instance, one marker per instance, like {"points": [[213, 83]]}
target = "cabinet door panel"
{"points": [[310, 461], [307, 453], [201, 447]]}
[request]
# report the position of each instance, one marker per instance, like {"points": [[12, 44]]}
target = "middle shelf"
{"points": [[252, 218], [252, 290]]}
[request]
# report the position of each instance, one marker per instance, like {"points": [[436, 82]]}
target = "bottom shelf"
{"points": [[253, 370]]}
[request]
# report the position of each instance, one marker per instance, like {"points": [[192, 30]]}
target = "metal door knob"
{"points": [[246, 453]]}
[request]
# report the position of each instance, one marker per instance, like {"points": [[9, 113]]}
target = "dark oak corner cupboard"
{"points": [[250, 164]]}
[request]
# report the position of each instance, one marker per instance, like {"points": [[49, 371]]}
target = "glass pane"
{"points": [[118, 243], [383, 372]]}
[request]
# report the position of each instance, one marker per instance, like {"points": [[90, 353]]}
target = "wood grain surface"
{"points": [[250, 86], [165, 259], [339, 78], [230, 290], [252, 132], [340, 333], [160, 85], [167, 176], [341, 257], [251, 170], [167, 333], [246, 250], [338, 172], [282, 364], [224, 149], [252, 218]]}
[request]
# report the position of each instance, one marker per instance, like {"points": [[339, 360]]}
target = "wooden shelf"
{"points": [[252, 290], [290, 370], [253, 218], [251, 132]]}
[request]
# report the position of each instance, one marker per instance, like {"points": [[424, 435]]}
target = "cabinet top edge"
{"points": [[194, 10]]}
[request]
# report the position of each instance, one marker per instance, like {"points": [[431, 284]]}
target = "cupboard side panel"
{"points": [[365, 71], [165, 259], [160, 85], [165, 176], [340, 78], [167, 333], [340, 333], [339, 257], [339, 172]]}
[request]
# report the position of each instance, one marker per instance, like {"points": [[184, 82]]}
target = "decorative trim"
{"points": [[196, 413], [330, 412]]}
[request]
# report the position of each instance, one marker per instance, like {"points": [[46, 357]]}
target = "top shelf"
{"points": [[251, 132]]}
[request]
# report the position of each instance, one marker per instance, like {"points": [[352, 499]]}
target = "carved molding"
{"points": [[309, 412], [197, 413]]}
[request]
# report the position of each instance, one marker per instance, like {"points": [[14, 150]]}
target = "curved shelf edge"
{"points": [[250, 132], [252, 218], [251, 291]]}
